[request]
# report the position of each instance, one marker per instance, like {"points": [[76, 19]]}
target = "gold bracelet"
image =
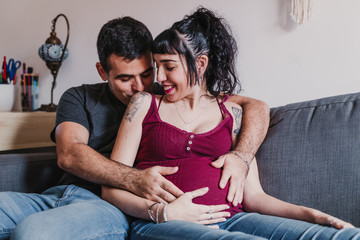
{"points": [[242, 158]]}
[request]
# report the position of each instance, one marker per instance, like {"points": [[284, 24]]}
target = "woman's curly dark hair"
{"points": [[198, 34]]}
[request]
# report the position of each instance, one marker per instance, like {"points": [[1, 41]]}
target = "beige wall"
{"points": [[279, 61]]}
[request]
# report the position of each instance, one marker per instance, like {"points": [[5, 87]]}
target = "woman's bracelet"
{"points": [[242, 158], [157, 213], [156, 219], [149, 211], [164, 212]]}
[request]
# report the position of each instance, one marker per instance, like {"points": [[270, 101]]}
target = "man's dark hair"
{"points": [[125, 37]]}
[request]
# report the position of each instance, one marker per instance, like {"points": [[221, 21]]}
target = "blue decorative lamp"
{"points": [[52, 52]]}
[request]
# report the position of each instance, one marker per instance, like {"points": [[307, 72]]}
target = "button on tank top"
{"points": [[163, 144]]}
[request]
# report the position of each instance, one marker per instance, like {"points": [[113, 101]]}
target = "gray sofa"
{"points": [[311, 156]]}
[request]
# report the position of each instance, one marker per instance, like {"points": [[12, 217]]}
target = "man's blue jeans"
{"points": [[244, 226], [62, 212]]}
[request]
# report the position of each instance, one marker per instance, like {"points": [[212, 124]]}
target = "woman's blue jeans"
{"points": [[247, 226], [62, 212]]}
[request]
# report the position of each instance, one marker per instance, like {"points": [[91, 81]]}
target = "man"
{"points": [[87, 121]]}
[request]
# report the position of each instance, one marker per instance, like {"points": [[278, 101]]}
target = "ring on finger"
{"points": [[332, 222], [210, 210], [211, 213]]}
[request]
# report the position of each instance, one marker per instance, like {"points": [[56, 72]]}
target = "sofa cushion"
{"points": [[32, 170], [311, 155]]}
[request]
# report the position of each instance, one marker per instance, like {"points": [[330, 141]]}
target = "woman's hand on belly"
{"points": [[184, 209]]}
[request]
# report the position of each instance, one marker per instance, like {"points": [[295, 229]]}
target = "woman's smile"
{"points": [[168, 88]]}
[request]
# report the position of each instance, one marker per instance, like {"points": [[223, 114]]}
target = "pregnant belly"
{"points": [[194, 174]]}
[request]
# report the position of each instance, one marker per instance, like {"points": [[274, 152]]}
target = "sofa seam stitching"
{"points": [[321, 105]]}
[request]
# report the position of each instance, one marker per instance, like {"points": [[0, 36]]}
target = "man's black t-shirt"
{"points": [[100, 112], [96, 108]]}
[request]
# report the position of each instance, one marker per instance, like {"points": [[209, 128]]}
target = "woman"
{"points": [[191, 126]]}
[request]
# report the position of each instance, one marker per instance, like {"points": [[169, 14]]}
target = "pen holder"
{"points": [[7, 93], [29, 92]]}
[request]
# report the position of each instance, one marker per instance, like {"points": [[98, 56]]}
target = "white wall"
{"points": [[279, 61]]}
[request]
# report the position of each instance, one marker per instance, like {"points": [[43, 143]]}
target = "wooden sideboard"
{"points": [[19, 130]]}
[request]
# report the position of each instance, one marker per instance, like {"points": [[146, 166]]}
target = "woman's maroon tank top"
{"points": [[163, 144]]}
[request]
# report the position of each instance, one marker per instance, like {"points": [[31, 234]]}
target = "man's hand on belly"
{"points": [[151, 184], [235, 171]]}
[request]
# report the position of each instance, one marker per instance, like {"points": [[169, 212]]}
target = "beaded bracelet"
{"points": [[242, 158]]}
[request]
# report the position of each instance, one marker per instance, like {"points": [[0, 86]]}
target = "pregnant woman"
{"points": [[190, 127]]}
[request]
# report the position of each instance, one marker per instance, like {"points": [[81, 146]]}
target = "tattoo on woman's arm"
{"points": [[134, 105], [238, 116]]}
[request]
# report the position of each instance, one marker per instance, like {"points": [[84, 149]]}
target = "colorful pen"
{"points": [[4, 70]]}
